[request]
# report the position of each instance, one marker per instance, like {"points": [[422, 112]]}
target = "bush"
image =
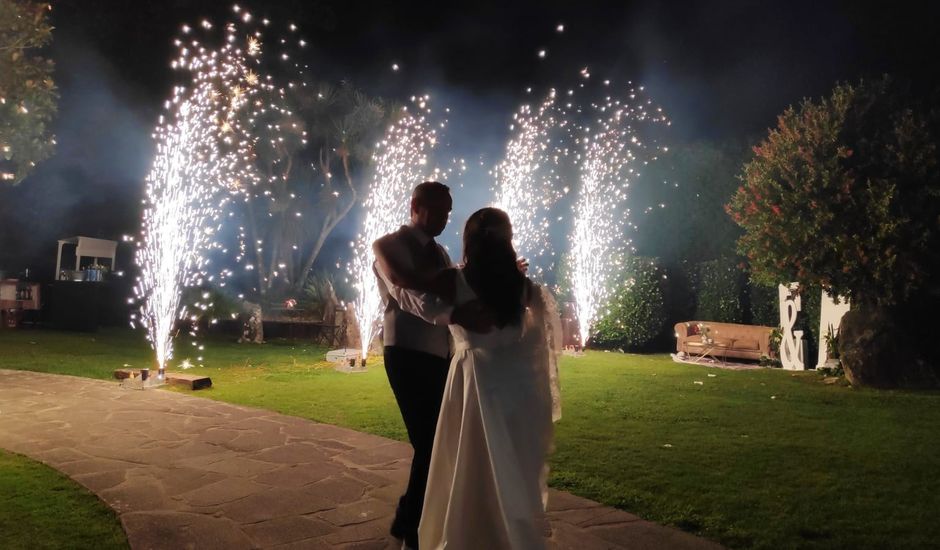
{"points": [[765, 304], [637, 312], [719, 289]]}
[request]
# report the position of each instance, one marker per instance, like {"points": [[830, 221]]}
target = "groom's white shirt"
{"points": [[417, 320]]}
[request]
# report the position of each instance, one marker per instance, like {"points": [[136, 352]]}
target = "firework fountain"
{"points": [[201, 149], [401, 159], [613, 148], [527, 181]]}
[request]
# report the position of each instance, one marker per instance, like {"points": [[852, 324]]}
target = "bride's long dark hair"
{"points": [[490, 265]]}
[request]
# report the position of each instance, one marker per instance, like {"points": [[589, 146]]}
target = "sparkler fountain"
{"points": [[612, 151], [200, 150], [527, 182], [401, 160]]}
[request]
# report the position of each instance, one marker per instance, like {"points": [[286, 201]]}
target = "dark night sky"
{"points": [[722, 70]]}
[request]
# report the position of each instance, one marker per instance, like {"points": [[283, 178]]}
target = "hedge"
{"points": [[637, 311]]}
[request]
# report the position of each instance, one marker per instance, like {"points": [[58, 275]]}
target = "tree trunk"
{"points": [[253, 327], [325, 229], [330, 221]]}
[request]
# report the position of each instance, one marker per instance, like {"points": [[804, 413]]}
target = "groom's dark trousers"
{"points": [[417, 379]]}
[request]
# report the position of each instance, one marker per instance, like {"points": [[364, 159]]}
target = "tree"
{"points": [[28, 95], [310, 163], [844, 193]]}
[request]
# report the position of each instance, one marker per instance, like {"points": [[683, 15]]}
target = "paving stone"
{"points": [[340, 489], [358, 512], [285, 530], [388, 544], [256, 441], [370, 477], [326, 431], [218, 436], [123, 454], [177, 481], [292, 453], [203, 461], [154, 453], [136, 496], [98, 481], [646, 535], [566, 536], [398, 473], [60, 455], [94, 465], [572, 517], [388, 493], [375, 530], [333, 446], [32, 447], [558, 500], [371, 458], [295, 476], [249, 420], [238, 466], [276, 503], [228, 489], [162, 435], [308, 544], [195, 425], [606, 517], [152, 530], [395, 450]]}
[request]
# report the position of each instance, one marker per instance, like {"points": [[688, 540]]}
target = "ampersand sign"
{"points": [[791, 343]]}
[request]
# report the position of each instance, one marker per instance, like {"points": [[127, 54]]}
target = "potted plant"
{"points": [[832, 349]]}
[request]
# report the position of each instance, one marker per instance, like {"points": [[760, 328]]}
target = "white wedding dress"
{"points": [[487, 481]]}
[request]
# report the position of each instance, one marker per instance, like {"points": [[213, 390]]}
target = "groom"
{"points": [[416, 338]]}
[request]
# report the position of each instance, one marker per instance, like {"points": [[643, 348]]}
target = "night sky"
{"points": [[722, 70]]}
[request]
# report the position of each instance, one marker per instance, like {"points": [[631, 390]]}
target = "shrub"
{"points": [[719, 289], [637, 312], [765, 304]]}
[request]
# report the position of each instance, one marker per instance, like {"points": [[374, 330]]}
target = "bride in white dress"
{"points": [[487, 481]]}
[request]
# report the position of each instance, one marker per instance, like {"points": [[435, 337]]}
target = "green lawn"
{"points": [[752, 459], [42, 508]]}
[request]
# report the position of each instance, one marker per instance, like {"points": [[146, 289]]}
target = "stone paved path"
{"points": [[186, 472]]}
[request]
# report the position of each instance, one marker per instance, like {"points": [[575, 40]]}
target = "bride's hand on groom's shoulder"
{"points": [[473, 316]]}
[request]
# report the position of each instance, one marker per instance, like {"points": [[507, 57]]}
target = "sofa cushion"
{"points": [[746, 344]]}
